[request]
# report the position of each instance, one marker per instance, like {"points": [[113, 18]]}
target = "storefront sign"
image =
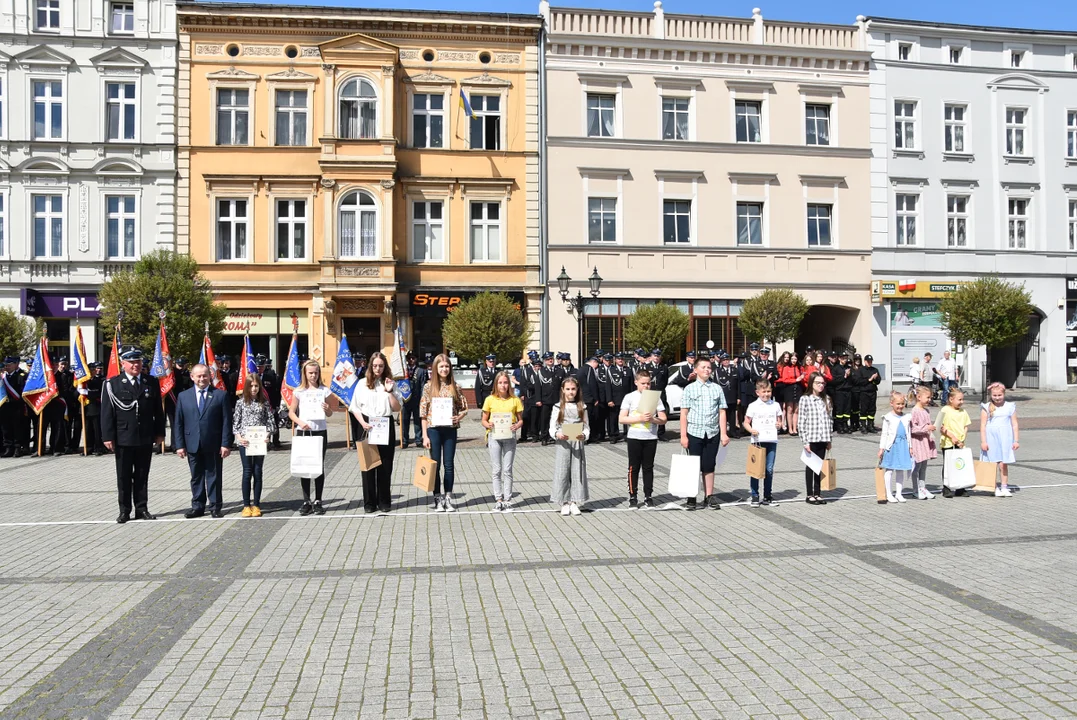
{"points": [[58, 305], [439, 303], [882, 290], [259, 322]]}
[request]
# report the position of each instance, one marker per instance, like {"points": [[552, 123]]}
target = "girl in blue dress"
{"points": [[998, 434], [895, 453]]}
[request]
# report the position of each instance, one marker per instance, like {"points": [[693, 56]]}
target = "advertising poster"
{"points": [[915, 315]]}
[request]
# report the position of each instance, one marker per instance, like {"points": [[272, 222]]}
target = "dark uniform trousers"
{"points": [[133, 476]]}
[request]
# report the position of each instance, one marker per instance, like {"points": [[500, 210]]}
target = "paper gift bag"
{"points": [[880, 485], [958, 472], [684, 476], [985, 475], [306, 460], [757, 462], [829, 476], [423, 478], [369, 457]]}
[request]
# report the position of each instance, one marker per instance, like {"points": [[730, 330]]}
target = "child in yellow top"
{"points": [[953, 423], [502, 450]]}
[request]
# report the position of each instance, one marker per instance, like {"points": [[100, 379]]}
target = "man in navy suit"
{"points": [[203, 426]]}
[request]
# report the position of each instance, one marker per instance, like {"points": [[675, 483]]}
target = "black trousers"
{"points": [[811, 480], [12, 419], [842, 404], [854, 407], [868, 401], [544, 421], [376, 482], [532, 422], [74, 428], [594, 418], [133, 476], [603, 415], [641, 457], [93, 434], [55, 426], [613, 427]]}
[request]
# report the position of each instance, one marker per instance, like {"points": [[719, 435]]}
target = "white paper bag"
{"points": [[958, 472], [306, 460], [684, 476], [441, 412], [256, 440]]}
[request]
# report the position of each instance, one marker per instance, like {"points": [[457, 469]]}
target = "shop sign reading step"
{"points": [[439, 303]]}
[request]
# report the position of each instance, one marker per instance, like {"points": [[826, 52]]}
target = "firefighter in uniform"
{"points": [[93, 386], [727, 376], [832, 365], [484, 380], [856, 384], [13, 412], [686, 373], [869, 395], [843, 393], [622, 379], [549, 394], [605, 397], [589, 392]]}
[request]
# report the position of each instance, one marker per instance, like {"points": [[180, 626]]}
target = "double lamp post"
{"points": [[576, 305]]}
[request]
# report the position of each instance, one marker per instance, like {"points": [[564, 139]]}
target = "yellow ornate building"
{"points": [[330, 167]]}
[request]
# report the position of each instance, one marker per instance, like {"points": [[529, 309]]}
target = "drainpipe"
{"points": [[544, 306]]}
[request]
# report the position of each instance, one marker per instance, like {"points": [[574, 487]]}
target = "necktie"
{"points": [[201, 399]]}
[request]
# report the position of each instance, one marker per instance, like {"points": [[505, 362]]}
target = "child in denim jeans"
{"points": [[763, 417]]}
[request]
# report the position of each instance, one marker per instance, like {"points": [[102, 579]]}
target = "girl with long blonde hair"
{"points": [[307, 398], [441, 440]]}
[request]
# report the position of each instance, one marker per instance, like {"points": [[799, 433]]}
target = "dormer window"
{"points": [[955, 55], [904, 51], [1016, 58]]}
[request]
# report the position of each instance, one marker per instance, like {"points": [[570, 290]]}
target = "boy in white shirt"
{"points": [[762, 420], [642, 439]]}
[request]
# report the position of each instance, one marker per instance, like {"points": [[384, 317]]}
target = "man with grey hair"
{"points": [[204, 436]]}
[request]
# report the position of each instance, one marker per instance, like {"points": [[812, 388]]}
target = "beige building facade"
{"points": [[700, 160]]}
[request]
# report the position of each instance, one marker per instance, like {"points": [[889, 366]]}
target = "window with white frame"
{"points": [[48, 109], [291, 117], [906, 209], [48, 212], [47, 14], [675, 118], [957, 220], [358, 226], [428, 229], [955, 55], [291, 229], [1016, 125], [3, 226], [954, 119], [1017, 57], [601, 110], [428, 120], [819, 225], [1018, 223], [232, 229], [485, 122], [1073, 225], [904, 51], [817, 124], [749, 223], [485, 231], [120, 219], [121, 18], [1071, 134], [749, 115], [233, 116], [358, 110], [677, 221], [120, 110], [905, 124], [601, 220]]}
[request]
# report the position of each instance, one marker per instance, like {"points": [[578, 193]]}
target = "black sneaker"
{"points": [[714, 504], [754, 501], [691, 504], [947, 492], [305, 509], [318, 509], [769, 501], [632, 501], [648, 502], [959, 493]]}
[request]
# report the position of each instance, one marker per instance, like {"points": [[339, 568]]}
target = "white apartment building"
{"points": [[87, 151]]}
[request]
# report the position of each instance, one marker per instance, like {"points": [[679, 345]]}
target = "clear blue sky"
{"points": [[1049, 15]]}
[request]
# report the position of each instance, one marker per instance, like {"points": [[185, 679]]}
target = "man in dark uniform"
{"points": [[659, 380], [589, 392], [132, 422], [12, 413], [230, 377], [57, 414], [622, 382], [549, 394], [181, 378], [567, 368], [843, 394], [747, 374], [767, 367], [417, 378], [727, 376], [271, 386], [869, 395], [686, 373], [833, 365], [855, 384], [605, 397], [528, 392], [93, 387], [30, 419], [484, 380]]}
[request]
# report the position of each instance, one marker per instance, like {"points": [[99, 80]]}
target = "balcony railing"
{"points": [[600, 22], [711, 29]]}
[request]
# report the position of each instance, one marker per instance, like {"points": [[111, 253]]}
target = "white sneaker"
{"points": [[998, 492], [439, 504], [927, 495], [499, 506], [565, 510], [891, 499], [447, 501], [575, 509], [1006, 491]]}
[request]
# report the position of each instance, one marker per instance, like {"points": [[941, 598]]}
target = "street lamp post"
{"points": [[576, 305]]}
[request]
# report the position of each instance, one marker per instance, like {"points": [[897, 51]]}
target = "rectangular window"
{"points": [[122, 18], [427, 232], [1016, 58], [231, 229], [904, 51], [1071, 134], [601, 220], [955, 56], [486, 122], [48, 226], [819, 223], [904, 124], [48, 110], [485, 232], [749, 121], [47, 14], [600, 114], [233, 114], [1018, 223], [428, 120], [817, 119], [674, 118], [677, 221], [1073, 226], [291, 117], [120, 110], [1015, 130], [749, 223], [120, 226], [954, 120], [906, 219], [291, 229], [957, 220]]}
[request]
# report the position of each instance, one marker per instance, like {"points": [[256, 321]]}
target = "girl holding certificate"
{"points": [[442, 408], [375, 400], [252, 415], [310, 406], [569, 427], [502, 416], [816, 431]]}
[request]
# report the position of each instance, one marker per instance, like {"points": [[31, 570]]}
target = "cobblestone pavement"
{"points": [[948, 608]]}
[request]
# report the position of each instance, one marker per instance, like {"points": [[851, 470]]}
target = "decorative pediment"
{"points": [[232, 73], [43, 55], [40, 166], [293, 75], [486, 80], [429, 78], [1018, 81], [118, 57], [359, 42], [4, 60], [112, 166]]}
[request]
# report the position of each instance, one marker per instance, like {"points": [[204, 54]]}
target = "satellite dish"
{"points": [[710, 344]]}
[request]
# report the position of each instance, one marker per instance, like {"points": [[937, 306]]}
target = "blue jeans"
{"points": [[772, 452], [411, 419], [946, 385], [252, 471], [443, 452]]}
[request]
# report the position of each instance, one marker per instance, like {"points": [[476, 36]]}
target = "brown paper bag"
{"points": [[369, 457], [880, 485], [829, 477], [985, 475], [757, 462], [424, 473]]}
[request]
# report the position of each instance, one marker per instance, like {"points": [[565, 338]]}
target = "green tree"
{"points": [[773, 316], [18, 334], [657, 326], [987, 311], [487, 323], [162, 280]]}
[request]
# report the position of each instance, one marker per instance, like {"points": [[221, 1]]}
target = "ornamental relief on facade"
{"points": [[359, 305], [206, 49], [262, 50], [358, 271]]}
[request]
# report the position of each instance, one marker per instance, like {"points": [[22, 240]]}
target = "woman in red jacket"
{"points": [[780, 386]]}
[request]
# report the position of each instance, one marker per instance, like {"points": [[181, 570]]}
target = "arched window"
{"points": [[358, 110], [358, 226]]}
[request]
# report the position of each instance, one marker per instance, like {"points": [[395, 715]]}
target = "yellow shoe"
{"points": [[247, 512], [256, 511]]}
